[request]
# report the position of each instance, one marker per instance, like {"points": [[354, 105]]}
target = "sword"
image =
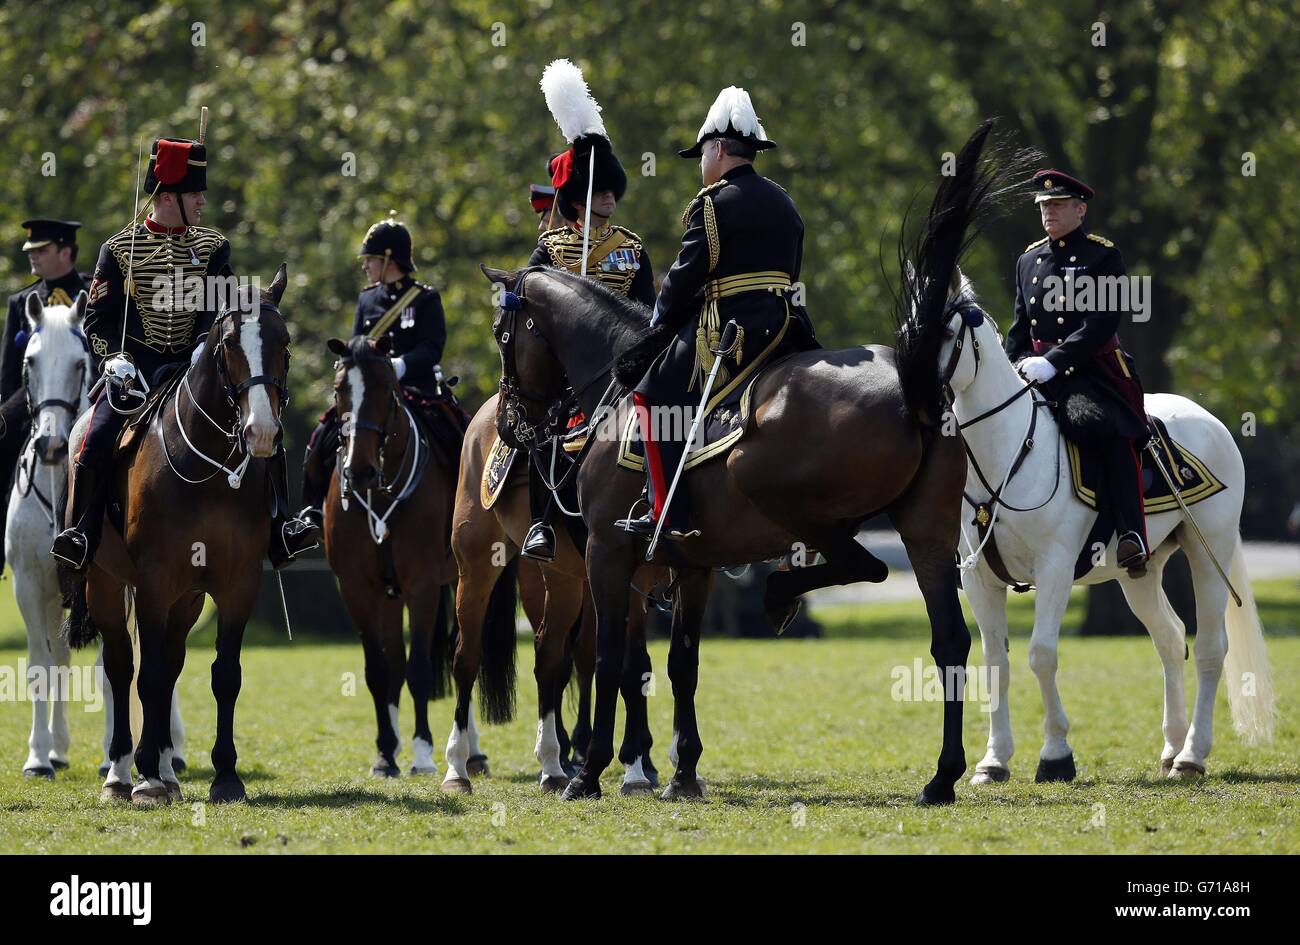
{"points": [[725, 345], [1196, 529]]}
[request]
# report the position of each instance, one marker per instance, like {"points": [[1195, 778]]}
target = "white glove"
{"points": [[399, 366], [1038, 370]]}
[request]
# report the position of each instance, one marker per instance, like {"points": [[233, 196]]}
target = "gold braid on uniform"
{"points": [[563, 247], [708, 335]]}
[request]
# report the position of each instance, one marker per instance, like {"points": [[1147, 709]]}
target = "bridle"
{"points": [[232, 393], [532, 434], [416, 451], [73, 409], [28, 461], [971, 318]]}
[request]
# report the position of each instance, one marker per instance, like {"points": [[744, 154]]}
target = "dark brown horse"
{"points": [[178, 528], [387, 517], [486, 544], [835, 437]]}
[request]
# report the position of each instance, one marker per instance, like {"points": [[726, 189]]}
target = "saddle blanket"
{"points": [[1194, 479]]}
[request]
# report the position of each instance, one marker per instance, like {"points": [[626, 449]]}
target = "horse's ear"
{"points": [[498, 276], [337, 346], [276, 290], [35, 311], [79, 308], [384, 345]]}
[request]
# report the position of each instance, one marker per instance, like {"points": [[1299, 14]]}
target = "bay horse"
{"points": [[387, 518], [486, 543], [1040, 527], [835, 437], [187, 518]]}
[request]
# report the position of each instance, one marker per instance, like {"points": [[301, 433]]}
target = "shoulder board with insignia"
{"points": [[424, 285], [1035, 244], [1100, 239]]}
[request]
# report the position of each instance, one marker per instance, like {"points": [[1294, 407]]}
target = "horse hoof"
{"points": [[578, 790], [1166, 767], [423, 772], [1055, 769], [227, 790], [111, 793], [636, 788], [935, 794], [571, 768], [782, 613], [45, 772], [385, 771], [477, 766], [59, 764], [1186, 771], [457, 786], [652, 776], [554, 784], [174, 790], [178, 765], [993, 775], [104, 769], [683, 790], [145, 794]]}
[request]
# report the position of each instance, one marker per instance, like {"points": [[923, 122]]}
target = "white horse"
{"points": [[56, 374], [1040, 546]]}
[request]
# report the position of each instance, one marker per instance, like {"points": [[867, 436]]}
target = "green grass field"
{"points": [[805, 751]]}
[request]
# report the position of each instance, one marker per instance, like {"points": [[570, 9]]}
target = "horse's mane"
{"points": [[362, 349], [629, 315]]}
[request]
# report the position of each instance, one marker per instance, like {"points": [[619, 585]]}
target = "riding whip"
{"points": [[725, 347]]}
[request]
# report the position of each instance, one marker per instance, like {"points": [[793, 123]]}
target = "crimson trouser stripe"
{"points": [[653, 461]]}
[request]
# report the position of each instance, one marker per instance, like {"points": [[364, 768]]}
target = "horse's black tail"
{"points": [[443, 634], [496, 674], [962, 203]]}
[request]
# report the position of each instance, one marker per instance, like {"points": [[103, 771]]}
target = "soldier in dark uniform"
{"points": [[410, 314], [740, 256], [51, 248], [1076, 355], [616, 258], [542, 199], [159, 336]]}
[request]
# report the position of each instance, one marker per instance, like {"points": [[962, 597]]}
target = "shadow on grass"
{"points": [[334, 798]]}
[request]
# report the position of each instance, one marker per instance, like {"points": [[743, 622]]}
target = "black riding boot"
{"points": [[75, 546], [1124, 479], [290, 536], [539, 543]]}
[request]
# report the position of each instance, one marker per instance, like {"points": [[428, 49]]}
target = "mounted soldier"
{"points": [[51, 248], [409, 314], [541, 197], [1076, 355], [141, 333], [740, 259], [588, 181]]}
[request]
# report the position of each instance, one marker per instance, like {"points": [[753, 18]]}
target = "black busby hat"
{"points": [[390, 239], [43, 232], [578, 116], [1053, 185], [732, 116], [178, 166], [570, 169]]}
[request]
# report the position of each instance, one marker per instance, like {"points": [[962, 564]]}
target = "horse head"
{"points": [[252, 353], [970, 336], [365, 396], [56, 366]]}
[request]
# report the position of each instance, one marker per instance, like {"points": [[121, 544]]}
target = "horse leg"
{"points": [[179, 621], [41, 614], [155, 687], [563, 606], [683, 671], [1146, 598], [473, 592], [420, 671], [1054, 579], [390, 676], [367, 617], [610, 571], [847, 562], [106, 600], [640, 776], [584, 665], [178, 727], [988, 599], [1211, 647], [61, 653], [233, 608]]}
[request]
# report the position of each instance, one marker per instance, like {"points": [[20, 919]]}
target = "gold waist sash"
{"points": [[709, 334]]}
